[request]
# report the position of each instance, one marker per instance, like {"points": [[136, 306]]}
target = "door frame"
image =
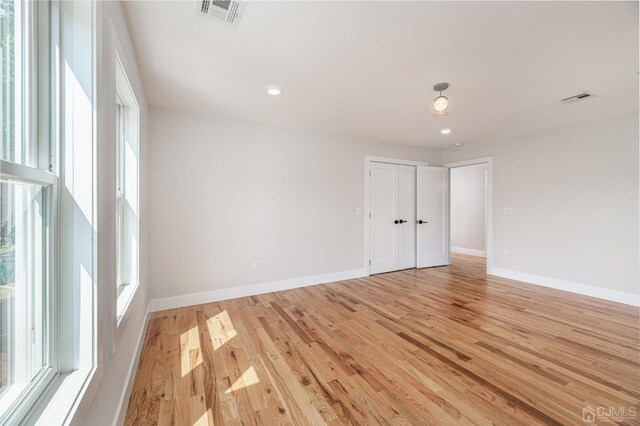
{"points": [[488, 217], [368, 159]]}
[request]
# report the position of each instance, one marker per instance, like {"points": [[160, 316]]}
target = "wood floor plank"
{"points": [[447, 345]]}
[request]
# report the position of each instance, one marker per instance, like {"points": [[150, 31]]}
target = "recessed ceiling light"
{"points": [[274, 90], [458, 144], [445, 131]]}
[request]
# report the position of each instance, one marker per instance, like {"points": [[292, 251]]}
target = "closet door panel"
{"points": [[383, 200], [407, 213]]}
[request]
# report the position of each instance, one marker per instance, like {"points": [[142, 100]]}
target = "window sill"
{"points": [[25, 395], [60, 400], [123, 303]]}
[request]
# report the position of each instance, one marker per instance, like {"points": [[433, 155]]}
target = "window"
{"points": [[27, 206], [126, 190], [48, 224], [121, 281]]}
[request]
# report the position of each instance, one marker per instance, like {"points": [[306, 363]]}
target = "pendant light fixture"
{"points": [[441, 103]]}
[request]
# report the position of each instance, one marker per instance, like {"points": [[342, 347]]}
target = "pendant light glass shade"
{"points": [[441, 107], [441, 104]]}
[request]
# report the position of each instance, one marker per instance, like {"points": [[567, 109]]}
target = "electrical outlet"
{"points": [[508, 211], [506, 254], [358, 211], [257, 265]]}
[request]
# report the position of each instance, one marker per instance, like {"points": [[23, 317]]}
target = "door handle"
{"points": [[420, 222], [396, 222], [401, 221]]}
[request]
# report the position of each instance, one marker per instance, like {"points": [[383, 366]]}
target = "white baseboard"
{"points": [[250, 290], [584, 289], [470, 252], [123, 404]]}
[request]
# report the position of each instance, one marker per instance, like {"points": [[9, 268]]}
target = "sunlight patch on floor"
{"points": [[190, 352], [221, 329], [205, 420], [248, 378]]}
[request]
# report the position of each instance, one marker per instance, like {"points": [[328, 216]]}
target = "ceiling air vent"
{"points": [[228, 11], [577, 98]]}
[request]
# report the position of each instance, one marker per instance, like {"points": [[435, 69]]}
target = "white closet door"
{"points": [[433, 216], [407, 213], [383, 200]]}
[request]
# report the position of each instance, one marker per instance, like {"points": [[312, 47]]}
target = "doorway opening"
{"points": [[470, 207]]}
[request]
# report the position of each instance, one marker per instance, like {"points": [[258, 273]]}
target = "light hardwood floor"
{"points": [[433, 346]]}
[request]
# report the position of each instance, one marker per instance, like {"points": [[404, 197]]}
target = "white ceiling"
{"points": [[366, 69]]}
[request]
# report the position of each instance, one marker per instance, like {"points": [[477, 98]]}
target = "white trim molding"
{"points": [[472, 162], [123, 403], [250, 290], [370, 158], [583, 289], [470, 252]]}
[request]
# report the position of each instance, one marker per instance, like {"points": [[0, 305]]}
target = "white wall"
{"points": [[574, 195], [227, 193], [116, 364], [468, 207]]}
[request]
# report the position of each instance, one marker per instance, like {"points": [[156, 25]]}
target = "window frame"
{"points": [[122, 90], [120, 191], [34, 168], [72, 59]]}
